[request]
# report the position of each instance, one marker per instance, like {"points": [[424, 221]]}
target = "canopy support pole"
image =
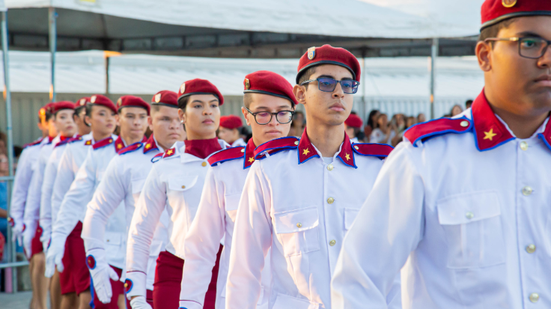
{"points": [[107, 76], [433, 56], [52, 15]]}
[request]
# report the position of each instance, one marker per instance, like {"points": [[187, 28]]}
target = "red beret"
{"points": [[82, 102], [57, 106], [328, 54], [102, 100], [199, 86], [495, 11], [166, 98], [231, 122], [354, 121], [132, 101], [270, 83], [46, 108]]}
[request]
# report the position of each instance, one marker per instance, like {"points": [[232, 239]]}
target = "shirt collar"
{"points": [[150, 144], [307, 151], [119, 144], [248, 159]]}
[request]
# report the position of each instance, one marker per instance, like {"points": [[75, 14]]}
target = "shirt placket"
{"points": [[333, 229]]}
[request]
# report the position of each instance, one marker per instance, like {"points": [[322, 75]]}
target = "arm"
{"points": [[201, 244], [392, 223], [46, 197], [32, 207], [66, 171], [250, 246], [21, 184]]}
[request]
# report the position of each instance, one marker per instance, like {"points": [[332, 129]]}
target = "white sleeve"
{"points": [[393, 224], [46, 197], [66, 171], [107, 197], [250, 246], [21, 185], [202, 243], [32, 208], [74, 203], [149, 208]]}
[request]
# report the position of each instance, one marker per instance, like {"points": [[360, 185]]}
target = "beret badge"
{"points": [[508, 3], [312, 51]]}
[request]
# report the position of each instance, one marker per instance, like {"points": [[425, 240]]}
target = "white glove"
{"points": [[28, 235], [101, 273], [139, 302], [55, 255], [17, 230]]}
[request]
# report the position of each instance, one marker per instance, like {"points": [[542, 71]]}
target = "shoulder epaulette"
{"points": [[433, 128], [74, 139], [130, 148], [157, 157], [276, 145], [38, 141], [380, 151], [60, 143], [104, 142], [227, 154]]}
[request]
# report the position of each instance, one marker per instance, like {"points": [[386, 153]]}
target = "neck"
{"points": [[257, 142], [327, 139], [523, 126], [131, 140], [194, 136], [83, 131], [98, 136]]}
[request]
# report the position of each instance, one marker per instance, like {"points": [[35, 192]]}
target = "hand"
{"points": [[101, 273], [54, 256], [28, 235], [139, 302], [17, 231]]}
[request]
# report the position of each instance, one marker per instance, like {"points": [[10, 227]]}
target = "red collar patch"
{"points": [[88, 142], [489, 131], [274, 146], [104, 142], [150, 144], [131, 148], [380, 151], [119, 144], [306, 151], [347, 154], [169, 153], [227, 154], [248, 159]]}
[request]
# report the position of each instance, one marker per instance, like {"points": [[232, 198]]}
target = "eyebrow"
{"points": [[280, 108], [529, 34], [199, 101], [330, 76]]}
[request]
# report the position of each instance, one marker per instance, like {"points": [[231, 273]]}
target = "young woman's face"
{"points": [[64, 122], [201, 116]]}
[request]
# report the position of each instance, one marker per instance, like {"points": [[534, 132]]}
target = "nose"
{"points": [[208, 110], [545, 60], [338, 93]]}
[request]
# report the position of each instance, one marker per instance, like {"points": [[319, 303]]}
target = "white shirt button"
{"points": [[527, 191], [330, 167], [469, 215], [330, 200], [534, 297], [531, 248], [332, 242], [523, 145]]}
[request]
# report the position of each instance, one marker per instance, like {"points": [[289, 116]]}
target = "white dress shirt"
{"points": [[239, 142], [175, 184], [471, 208], [301, 207]]}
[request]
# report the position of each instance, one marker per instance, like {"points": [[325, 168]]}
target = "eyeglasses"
{"points": [[328, 84], [532, 48], [263, 118]]}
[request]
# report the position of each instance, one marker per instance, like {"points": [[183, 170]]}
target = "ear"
{"points": [[483, 52], [300, 94], [117, 119], [150, 122], [246, 115], [181, 115]]}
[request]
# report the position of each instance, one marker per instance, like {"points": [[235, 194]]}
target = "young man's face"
{"points": [[228, 135], [64, 122], [52, 129], [519, 85], [268, 104], [133, 122], [201, 116], [103, 120], [327, 108], [166, 126]]}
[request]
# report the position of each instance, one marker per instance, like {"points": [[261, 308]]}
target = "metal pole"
{"points": [[52, 15], [433, 56], [107, 75], [9, 133]]}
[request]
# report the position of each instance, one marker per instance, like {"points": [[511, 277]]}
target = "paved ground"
{"points": [[15, 301]]}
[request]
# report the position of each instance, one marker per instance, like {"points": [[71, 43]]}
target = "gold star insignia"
{"points": [[489, 135], [251, 159], [305, 152], [147, 146], [119, 146], [347, 157], [169, 152]]}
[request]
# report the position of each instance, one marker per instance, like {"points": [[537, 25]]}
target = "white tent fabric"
{"points": [[345, 18]]}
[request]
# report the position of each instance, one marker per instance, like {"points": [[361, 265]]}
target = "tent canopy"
{"points": [[221, 28]]}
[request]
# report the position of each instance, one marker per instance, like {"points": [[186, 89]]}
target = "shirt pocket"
{"points": [[232, 203], [297, 230], [473, 229], [137, 186], [112, 238], [349, 217], [177, 187]]}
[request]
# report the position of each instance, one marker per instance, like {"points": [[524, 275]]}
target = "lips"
{"points": [[208, 121], [337, 107], [544, 80]]}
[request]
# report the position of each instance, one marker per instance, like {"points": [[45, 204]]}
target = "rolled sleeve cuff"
{"points": [[134, 285]]}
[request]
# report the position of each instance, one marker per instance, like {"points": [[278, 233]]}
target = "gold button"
{"points": [[243, 150], [330, 200], [469, 215], [464, 123], [296, 142], [527, 191], [330, 167], [108, 240], [332, 242], [356, 147], [534, 297], [183, 187], [204, 164], [531, 248], [299, 225], [523, 145]]}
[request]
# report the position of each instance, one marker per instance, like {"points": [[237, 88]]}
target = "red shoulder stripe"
{"points": [[276, 145], [374, 150], [104, 142], [430, 129], [74, 139], [38, 141], [227, 154], [130, 148]]}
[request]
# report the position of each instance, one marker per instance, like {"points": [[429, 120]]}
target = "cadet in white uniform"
{"points": [[468, 200], [269, 104], [175, 184], [229, 130], [301, 199], [123, 181]]}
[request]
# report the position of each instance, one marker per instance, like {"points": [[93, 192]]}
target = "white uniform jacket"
{"points": [[123, 180], [73, 207], [175, 183], [470, 205], [301, 206], [22, 182], [214, 223]]}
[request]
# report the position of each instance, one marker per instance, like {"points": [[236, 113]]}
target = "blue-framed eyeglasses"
{"points": [[328, 84]]}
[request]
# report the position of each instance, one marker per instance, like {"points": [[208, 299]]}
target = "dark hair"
{"points": [[47, 116], [370, 121], [493, 30], [182, 103], [304, 76], [468, 103]]}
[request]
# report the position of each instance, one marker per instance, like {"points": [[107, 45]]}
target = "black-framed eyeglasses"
{"points": [[328, 84], [532, 48], [264, 117]]}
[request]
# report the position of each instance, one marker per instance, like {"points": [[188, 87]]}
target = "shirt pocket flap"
{"points": [[296, 220], [137, 185], [349, 217], [181, 183], [462, 209], [112, 238]]}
